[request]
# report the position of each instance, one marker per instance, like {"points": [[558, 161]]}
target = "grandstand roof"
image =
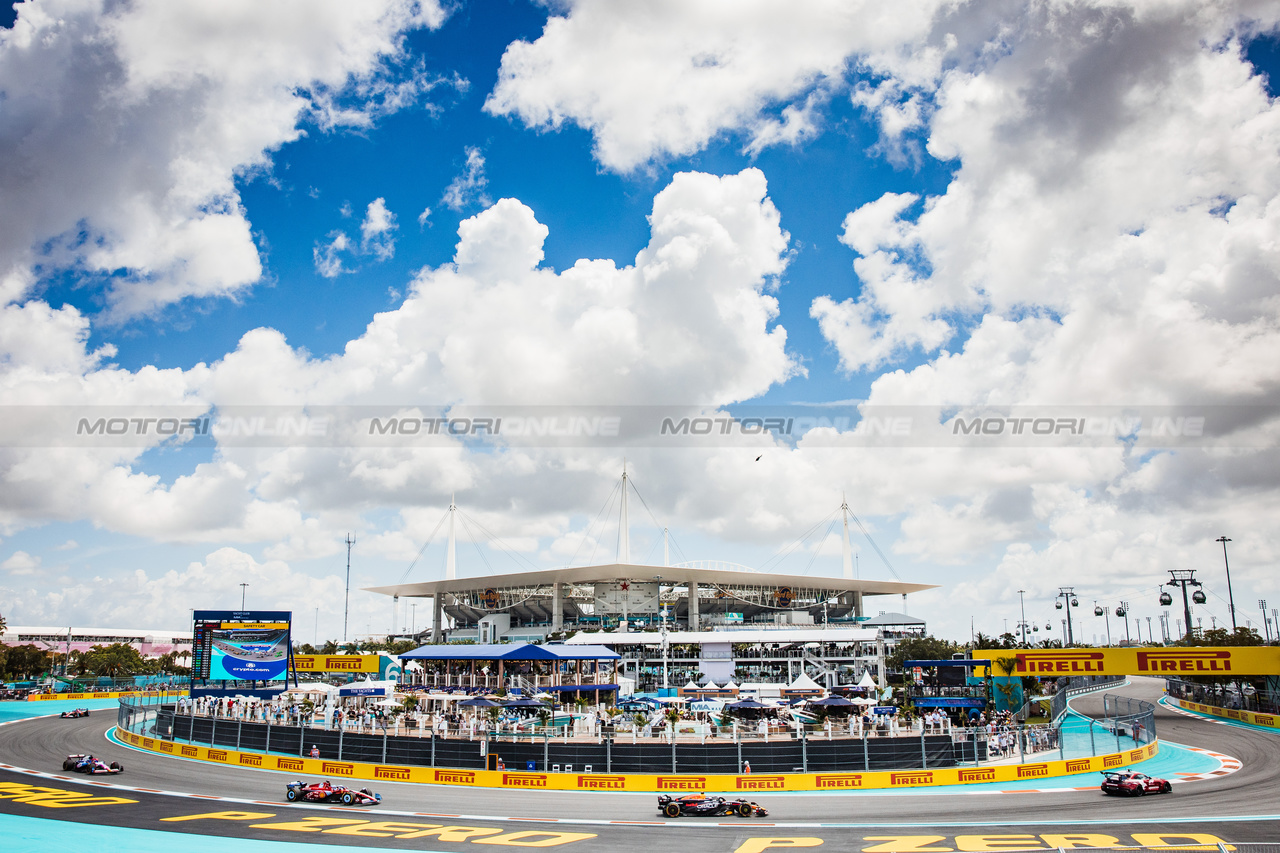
{"points": [[637, 572]]}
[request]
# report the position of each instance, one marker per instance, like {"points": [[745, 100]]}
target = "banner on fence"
{"points": [[1191, 660], [337, 663]]}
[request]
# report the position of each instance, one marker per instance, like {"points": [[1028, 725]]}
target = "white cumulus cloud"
{"points": [[125, 127]]}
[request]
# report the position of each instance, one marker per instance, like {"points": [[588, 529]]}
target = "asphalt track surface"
{"points": [[168, 796]]}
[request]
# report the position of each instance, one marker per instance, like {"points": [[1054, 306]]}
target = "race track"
{"points": [[1243, 806]]}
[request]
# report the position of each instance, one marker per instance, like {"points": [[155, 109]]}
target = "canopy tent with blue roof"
{"points": [[460, 664]]}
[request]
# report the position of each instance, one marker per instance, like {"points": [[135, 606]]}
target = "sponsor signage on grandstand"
{"points": [[1208, 660]]}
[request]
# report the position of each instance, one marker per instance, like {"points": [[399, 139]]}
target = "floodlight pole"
{"points": [[1023, 624], [1231, 600], [346, 606], [243, 586]]}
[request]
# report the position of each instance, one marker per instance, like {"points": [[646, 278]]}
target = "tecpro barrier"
{"points": [[1270, 721], [587, 778]]}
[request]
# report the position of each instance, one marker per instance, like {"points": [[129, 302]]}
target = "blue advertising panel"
{"points": [[948, 702]]}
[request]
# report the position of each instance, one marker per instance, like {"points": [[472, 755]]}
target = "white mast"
{"points": [[848, 547], [624, 540], [451, 556]]}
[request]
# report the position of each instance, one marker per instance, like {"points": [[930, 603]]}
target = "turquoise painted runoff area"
{"points": [[30, 834], [27, 710]]}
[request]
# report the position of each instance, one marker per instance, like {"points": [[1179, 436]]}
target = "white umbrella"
{"points": [[388, 703]]}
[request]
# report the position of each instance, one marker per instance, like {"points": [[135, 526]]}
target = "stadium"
{"points": [[703, 616]]}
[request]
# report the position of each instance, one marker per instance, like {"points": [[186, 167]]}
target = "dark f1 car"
{"points": [[1132, 784], [76, 714], [81, 763], [697, 805], [323, 792]]}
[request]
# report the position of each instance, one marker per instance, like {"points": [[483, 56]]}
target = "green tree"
{"points": [[1223, 637], [116, 660], [25, 662], [921, 648]]}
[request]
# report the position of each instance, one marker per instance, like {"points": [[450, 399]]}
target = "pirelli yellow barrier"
{"points": [[46, 697], [1199, 660], [1271, 721], [643, 782], [337, 663]]}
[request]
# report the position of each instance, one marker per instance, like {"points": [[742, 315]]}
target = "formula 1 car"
{"points": [[324, 792], [697, 805], [1132, 784], [81, 763], [76, 714]]}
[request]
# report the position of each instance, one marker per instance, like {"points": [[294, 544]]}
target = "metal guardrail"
{"points": [[1077, 686]]}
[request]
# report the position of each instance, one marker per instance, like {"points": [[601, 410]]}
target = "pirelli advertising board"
{"points": [[677, 783], [336, 663], [1201, 660]]}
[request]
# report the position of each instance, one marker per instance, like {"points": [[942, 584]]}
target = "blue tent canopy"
{"points": [[510, 652]]}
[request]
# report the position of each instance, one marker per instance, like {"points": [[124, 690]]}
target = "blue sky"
{"points": [[956, 207]]}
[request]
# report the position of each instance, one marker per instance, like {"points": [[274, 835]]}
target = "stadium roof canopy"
{"points": [[664, 574], [509, 652]]}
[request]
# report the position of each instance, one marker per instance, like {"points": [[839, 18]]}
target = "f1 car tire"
{"points": [[744, 810], [671, 810], [117, 766], [348, 798], [67, 765], [291, 795]]}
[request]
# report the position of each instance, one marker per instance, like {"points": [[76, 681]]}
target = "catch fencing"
{"points": [[801, 751]]}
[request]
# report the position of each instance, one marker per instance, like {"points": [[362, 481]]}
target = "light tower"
{"points": [[1231, 600]]}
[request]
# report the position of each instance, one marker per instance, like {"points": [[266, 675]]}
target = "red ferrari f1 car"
{"points": [[1132, 784], [81, 763], [697, 805], [324, 792], [76, 714]]}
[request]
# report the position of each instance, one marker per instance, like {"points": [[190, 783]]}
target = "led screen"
{"points": [[235, 646]]}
